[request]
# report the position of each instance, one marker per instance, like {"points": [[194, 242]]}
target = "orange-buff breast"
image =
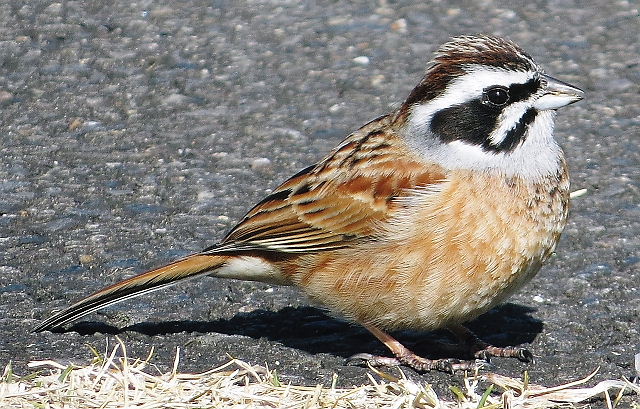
{"points": [[451, 253]]}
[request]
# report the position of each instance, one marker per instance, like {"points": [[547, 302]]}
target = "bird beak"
{"points": [[557, 94]]}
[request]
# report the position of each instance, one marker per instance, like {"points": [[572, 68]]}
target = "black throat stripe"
{"points": [[515, 135]]}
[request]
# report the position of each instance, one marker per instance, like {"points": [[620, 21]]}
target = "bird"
{"points": [[423, 219]]}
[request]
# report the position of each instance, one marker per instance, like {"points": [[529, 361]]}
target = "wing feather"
{"points": [[338, 201]]}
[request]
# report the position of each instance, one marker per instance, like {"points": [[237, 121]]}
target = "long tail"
{"points": [[188, 267]]}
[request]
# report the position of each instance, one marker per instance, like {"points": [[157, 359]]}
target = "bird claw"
{"points": [[447, 365], [483, 364], [483, 355], [524, 355]]}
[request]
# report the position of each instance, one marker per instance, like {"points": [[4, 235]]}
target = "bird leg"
{"points": [[404, 356], [481, 350]]}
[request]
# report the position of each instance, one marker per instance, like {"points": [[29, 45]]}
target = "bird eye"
{"points": [[496, 95]]}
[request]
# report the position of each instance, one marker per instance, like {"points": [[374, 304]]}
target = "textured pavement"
{"points": [[137, 132]]}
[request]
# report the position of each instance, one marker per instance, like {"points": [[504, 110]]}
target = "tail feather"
{"points": [[188, 267]]}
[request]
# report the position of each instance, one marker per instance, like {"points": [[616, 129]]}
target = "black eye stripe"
{"points": [[520, 92], [516, 92], [474, 121]]}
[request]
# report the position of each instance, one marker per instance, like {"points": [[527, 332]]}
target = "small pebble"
{"points": [[86, 258], [176, 99], [75, 124], [261, 164], [162, 12], [377, 80], [54, 8], [91, 125], [205, 195], [362, 60], [400, 25], [5, 96], [453, 12], [578, 193]]}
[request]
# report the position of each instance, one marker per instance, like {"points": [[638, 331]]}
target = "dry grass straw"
{"points": [[114, 380]]}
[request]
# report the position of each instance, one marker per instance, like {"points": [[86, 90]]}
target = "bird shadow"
{"points": [[312, 330]]}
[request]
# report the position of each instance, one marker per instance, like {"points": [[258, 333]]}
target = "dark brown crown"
{"points": [[454, 58]]}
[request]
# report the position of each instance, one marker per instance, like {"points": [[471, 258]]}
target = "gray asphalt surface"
{"points": [[137, 132]]}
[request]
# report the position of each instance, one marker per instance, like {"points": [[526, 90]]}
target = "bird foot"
{"points": [[487, 351], [481, 350], [404, 356], [417, 363]]}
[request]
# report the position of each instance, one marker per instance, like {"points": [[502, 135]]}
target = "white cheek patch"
{"points": [[537, 157]]}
